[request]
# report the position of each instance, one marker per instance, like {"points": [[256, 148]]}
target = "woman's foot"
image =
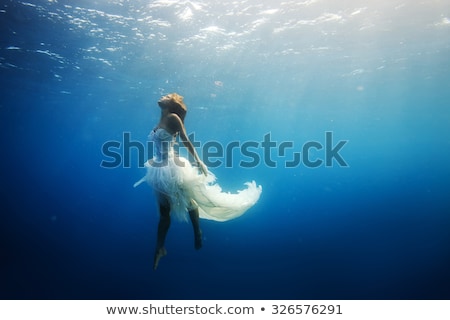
{"points": [[161, 252]]}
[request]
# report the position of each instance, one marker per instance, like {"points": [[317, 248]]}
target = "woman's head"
{"points": [[174, 103]]}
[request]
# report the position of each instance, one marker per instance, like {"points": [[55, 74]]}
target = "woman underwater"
{"points": [[181, 188]]}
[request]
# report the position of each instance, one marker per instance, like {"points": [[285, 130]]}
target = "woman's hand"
{"points": [[202, 167]]}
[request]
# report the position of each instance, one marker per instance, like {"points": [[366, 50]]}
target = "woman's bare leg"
{"points": [[193, 214], [163, 228]]}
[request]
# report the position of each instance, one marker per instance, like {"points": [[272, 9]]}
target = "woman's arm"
{"points": [[177, 125]]}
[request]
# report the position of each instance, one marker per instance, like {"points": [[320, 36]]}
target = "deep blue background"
{"points": [[379, 229]]}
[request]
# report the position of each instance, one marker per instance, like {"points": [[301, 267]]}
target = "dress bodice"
{"points": [[163, 143]]}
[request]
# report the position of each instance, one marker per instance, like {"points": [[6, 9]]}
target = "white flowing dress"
{"points": [[186, 188]]}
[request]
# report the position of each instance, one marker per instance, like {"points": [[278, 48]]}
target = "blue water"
{"points": [[375, 74]]}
